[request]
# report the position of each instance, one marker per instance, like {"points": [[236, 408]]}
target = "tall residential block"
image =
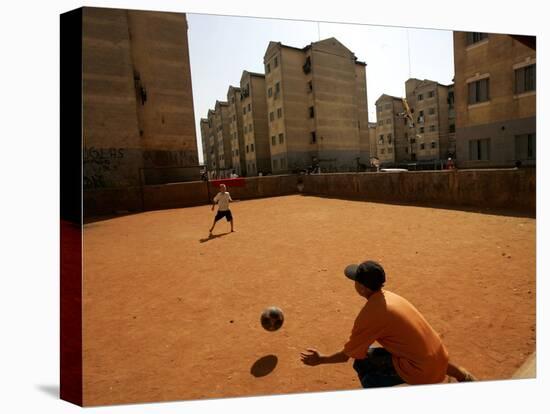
{"points": [[236, 136], [224, 162], [391, 130], [317, 106], [495, 99], [254, 118], [138, 124], [429, 135]]}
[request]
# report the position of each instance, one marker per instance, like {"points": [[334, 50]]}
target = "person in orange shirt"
{"points": [[411, 351]]}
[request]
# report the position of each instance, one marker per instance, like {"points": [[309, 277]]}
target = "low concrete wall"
{"points": [[258, 187], [155, 197], [506, 188]]}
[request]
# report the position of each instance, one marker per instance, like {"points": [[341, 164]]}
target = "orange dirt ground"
{"points": [[172, 315]]}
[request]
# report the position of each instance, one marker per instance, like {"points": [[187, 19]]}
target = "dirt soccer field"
{"points": [[172, 315]]}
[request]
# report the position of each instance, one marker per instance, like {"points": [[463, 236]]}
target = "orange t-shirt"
{"points": [[418, 355]]}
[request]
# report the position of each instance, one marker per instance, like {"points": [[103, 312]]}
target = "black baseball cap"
{"points": [[369, 273]]}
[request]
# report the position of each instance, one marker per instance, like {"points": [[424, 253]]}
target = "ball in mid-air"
{"points": [[272, 318]]}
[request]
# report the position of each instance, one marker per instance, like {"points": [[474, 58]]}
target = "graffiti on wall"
{"points": [[98, 163]]}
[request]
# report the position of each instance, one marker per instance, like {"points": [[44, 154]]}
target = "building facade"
{"points": [[222, 142], [236, 136], [254, 118], [495, 99], [429, 134], [317, 107], [205, 133], [138, 125], [392, 142]]}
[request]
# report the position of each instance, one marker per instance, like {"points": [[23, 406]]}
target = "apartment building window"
{"points": [[478, 91], [270, 92], [388, 121], [244, 110], [420, 97], [421, 130], [249, 108], [433, 144], [390, 150], [381, 139], [279, 112], [313, 137], [404, 121], [422, 146], [310, 86], [283, 163], [431, 94], [525, 79], [452, 128], [234, 118], [268, 68], [480, 149], [474, 37], [525, 146], [273, 140], [245, 131], [232, 99], [247, 149], [406, 135], [275, 164], [387, 106], [389, 139], [278, 87], [271, 116], [311, 112], [281, 138], [382, 151], [250, 128], [431, 111], [237, 152], [381, 122], [251, 147], [275, 62], [432, 128], [406, 150]]}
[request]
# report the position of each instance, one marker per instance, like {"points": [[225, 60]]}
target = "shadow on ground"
{"points": [[213, 236], [264, 366]]}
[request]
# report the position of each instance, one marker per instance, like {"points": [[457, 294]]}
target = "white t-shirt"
{"points": [[223, 200]]}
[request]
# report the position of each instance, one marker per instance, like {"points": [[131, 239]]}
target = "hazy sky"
{"points": [[222, 47]]}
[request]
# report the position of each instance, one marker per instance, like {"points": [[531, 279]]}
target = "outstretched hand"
{"points": [[311, 357]]}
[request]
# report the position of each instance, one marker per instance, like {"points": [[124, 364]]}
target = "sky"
{"points": [[221, 47]]}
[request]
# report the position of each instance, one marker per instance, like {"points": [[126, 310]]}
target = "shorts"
{"points": [[222, 214], [377, 369]]}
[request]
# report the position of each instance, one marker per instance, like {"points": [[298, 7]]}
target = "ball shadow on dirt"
{"points": [[264, 366]]}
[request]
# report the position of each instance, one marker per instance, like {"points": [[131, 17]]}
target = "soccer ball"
{"points": [[272, 318]]}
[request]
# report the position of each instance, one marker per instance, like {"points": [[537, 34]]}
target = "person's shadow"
{"points": [[264, 366], [212, 237]]}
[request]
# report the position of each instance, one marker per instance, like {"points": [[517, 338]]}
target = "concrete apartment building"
{"points": [[317, 107], [236, 136], [211, 146], [222, 140], [429, 103], [392, 143], [138, 118], [495, 99], [254, 119], [205, 133], [372, 152]]}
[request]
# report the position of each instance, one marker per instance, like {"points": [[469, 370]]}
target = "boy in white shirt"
{"points": [[222, 199]]}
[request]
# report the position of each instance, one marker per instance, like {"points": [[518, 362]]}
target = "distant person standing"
{"points": [[234, 174], [450, 164], [222, 199]]}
